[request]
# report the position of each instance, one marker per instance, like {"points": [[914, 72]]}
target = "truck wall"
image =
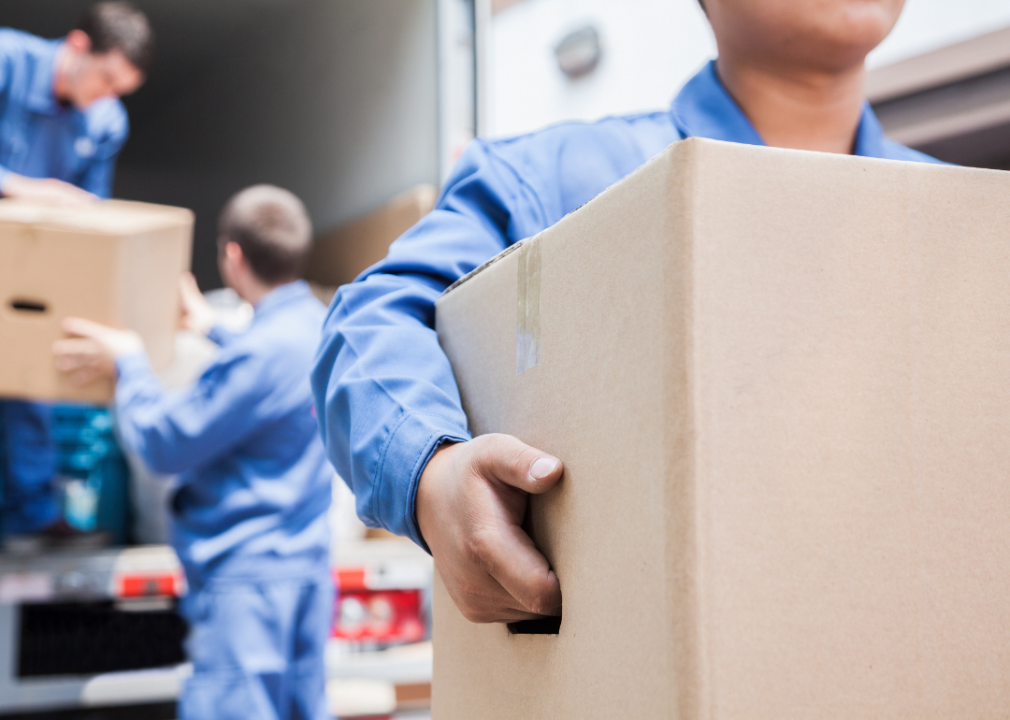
{"points": [[651, 47]]}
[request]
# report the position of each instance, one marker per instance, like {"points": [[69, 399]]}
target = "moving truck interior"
{"points": [[343, 103]]}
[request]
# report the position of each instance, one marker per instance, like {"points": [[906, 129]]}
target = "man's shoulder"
{"points": [[609, 125], [896, 151], [292, 331], [18, 42], [642, 131], [566, 165]]}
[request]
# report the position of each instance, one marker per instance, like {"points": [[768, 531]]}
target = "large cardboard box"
{"points": [[114, 262], [780, 382]]}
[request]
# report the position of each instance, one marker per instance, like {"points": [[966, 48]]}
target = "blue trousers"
{"points": [[29, 502], [257, 649]]}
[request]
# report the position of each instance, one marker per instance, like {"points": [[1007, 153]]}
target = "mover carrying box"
{"points": [[780, 384], [114, 262]]}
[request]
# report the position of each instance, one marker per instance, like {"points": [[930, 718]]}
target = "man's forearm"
{"points": [[137, 388], [382, 413]]}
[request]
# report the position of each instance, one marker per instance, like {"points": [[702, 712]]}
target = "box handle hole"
{"points": [[29, 306], [538, 626]]}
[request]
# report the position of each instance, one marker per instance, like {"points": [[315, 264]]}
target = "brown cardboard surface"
{"points": [[779, 383], [343, 254], [116, 262]]}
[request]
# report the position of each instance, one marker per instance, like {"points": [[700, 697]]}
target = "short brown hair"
{"points": [[119, 26], [273, 229]]}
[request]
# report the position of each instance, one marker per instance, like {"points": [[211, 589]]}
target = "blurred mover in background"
{"points": [[249, 511], [61, 127]]}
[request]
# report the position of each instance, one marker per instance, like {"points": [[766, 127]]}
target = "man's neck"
{"points": [[802, 110], [61, 73], [253, 291]]}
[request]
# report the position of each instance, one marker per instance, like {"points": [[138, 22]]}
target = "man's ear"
{"points": [[79, 41], [233, 251]]}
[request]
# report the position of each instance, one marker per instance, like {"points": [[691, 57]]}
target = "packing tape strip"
{"points": [[528, 317]]}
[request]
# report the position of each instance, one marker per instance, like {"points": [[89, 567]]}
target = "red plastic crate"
{"points": [[379, 616], [138, 585]]}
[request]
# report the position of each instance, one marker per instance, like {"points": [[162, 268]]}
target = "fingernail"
{"points": [[542, 468]]}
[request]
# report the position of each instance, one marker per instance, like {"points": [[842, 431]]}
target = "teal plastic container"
{"points": [[96, 476]]}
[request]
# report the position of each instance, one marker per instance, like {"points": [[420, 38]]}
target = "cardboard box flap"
{"points": [[111, 217], [680, 146], [485, 265]]}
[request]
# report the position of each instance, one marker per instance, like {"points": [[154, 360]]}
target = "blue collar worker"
{"points": [[789, 74], [249, 513], [61, 127]]}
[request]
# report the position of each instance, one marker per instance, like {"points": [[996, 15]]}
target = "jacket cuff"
{"points": [[219, 336], [131, 364], [409, 447]]}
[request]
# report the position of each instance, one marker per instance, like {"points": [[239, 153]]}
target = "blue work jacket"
{"points": [[385, 390], [254, 482], [41, 137]]}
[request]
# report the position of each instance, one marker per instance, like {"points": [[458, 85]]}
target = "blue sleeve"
{"points": [[221, 336], [98, 176], [175, 432], [385, 394], [9, 41]]}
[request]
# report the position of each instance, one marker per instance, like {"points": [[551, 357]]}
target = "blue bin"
{"points": [[88, 451]]}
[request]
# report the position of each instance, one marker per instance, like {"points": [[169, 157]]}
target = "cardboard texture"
{"points": [[114, 262], [342, 255], [780, 383]]}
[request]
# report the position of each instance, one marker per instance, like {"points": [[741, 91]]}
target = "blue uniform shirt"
{"points": [[41, 137], [386, 391], [254, 482]]}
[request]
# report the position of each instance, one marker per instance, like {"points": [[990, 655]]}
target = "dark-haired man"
{"points": [[61, 121], [61, 127], [789, 74], [249, 510]]}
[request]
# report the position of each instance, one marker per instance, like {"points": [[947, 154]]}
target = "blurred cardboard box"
{"points": [[343, 254], [114, 262], [780, 384]]}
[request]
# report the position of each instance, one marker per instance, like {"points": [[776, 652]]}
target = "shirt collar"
{"points": [[40, 94], [870, 135], [703, 108], [280, 296]]}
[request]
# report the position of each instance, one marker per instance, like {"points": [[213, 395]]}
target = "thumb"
{"points": [[73, 195], [79, 327], [513, 462], [187, 285]]}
